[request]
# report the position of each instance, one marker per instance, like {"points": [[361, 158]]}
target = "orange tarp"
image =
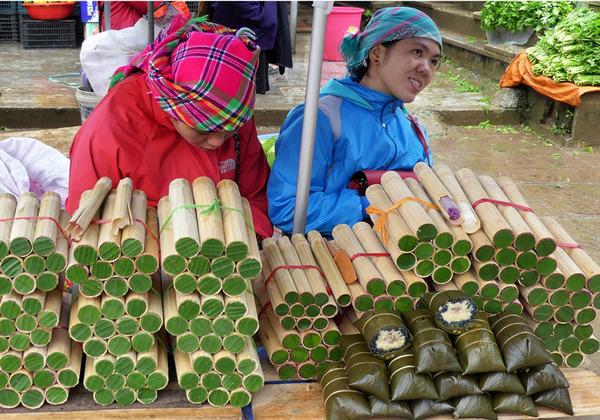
{"points": [[519, 71]]}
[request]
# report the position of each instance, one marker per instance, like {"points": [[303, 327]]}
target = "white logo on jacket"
{"points": [[226, 165]]}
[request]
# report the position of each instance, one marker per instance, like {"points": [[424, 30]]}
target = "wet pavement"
{"points": [[465, 131]]}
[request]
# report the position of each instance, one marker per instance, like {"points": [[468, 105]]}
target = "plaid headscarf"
{"points": [[389, 24], [201, 74]]}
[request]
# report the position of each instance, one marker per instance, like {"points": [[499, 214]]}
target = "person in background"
{"points": [[362, 123], [268, 20], [183, 108], [123, 14]]}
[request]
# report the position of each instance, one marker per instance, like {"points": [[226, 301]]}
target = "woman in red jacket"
{"points": [[182, 109]]}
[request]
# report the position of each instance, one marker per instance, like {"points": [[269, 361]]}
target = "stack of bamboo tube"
{"points": [[38, 362], [209, 255], [117, 311], [294, 349]]}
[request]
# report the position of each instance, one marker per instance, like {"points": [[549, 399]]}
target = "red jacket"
{"points": [[129, 135]]}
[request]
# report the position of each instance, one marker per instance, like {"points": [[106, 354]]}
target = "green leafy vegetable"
{"points": [[514, 16]]}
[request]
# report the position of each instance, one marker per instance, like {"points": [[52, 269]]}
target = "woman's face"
{"points": [[404, 68], [206, 140]]}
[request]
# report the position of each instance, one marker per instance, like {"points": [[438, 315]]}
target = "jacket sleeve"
{"points": [[329, 204], [253, 176]]}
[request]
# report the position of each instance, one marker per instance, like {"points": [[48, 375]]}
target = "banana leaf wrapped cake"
{"points": [[365, 372], [557, 399], [542, 378], [395, 409], [384, 331], [519, 345], [405, 383], [451, 385], [426, 408], [431, 346], [477, 348], [342, 402], [477, 405], [501, 382], [453, 311], [514, 403]]}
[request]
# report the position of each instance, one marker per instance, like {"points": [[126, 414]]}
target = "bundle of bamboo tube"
{"points": [[236, 376], [46, 373]]}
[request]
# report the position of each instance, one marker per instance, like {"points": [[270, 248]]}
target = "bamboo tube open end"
{"points": [[471, 223]]}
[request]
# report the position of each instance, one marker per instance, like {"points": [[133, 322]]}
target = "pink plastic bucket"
{"points": [[340, 22]]}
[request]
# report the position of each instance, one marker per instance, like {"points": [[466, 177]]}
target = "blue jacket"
{"points": [[357, 129]]}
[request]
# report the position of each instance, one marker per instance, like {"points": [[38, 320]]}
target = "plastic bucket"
{"points": [[340, 22], [86, 101]]}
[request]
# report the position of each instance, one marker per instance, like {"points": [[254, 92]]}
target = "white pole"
{"points": [[313, 83], [293, 23]]}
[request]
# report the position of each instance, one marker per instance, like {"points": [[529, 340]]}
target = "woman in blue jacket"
{"points": [[362, 123]]}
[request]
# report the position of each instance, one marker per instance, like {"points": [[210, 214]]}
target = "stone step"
{"points": [[451, 16]]}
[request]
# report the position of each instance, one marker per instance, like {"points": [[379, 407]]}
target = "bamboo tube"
{"points": [[486, 271], [78, 331], [202, 362], [539, 313], [250, 266], [284, 279], [85, 250], [59, 349], [306, 257], [445, 237], [361, 300], [121, 214], [467, 282], [585, 316], [152, 320], [236, 306], [69, 375], [33, 303], [212, 306], [545, 243], [23, 229], [147, 261], [403, 260], [136, 304], [174, 323], [471, 223], [524, 238], [186, 377], [483, 249], [334, 278], [8, 205], [247, 361], [83, 216], [11, 305], [299, 276], [104, 365], [398, 232], [50, 316], [534, 295], [185, 227], [112, 307], [160, 377], [33, 398], [269, 292], [188, 306], [589, 267], [289, 338], [368, 275], [57, 260], [210, 220], [438, 193], [35, 358], [492, 221], [171, 262], [247, 325], [46, 230], [574, 277], [278, 355], [134, 234], [91, 380], [558, 297], [234, 223], [395, 284], [147, 361], [412, 212]]}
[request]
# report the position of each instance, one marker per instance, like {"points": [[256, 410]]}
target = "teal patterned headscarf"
{"points": [[389, 24]]}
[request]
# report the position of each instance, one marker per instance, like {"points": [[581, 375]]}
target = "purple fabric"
{"points": [[260, 16]]}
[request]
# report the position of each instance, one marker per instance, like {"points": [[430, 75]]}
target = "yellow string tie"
{"points": [[380, 225]]}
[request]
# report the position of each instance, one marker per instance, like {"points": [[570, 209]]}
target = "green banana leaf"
{"points": [[432, 347], [396, 409], [514, 403], [452, 310], [477, 348], [519, 345], [501, 382], [479, 405], [426, 408], [542, 378], [366, 372], [405, 383], [384, 331], [557, 399], [341, 402], [450, 385]]}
